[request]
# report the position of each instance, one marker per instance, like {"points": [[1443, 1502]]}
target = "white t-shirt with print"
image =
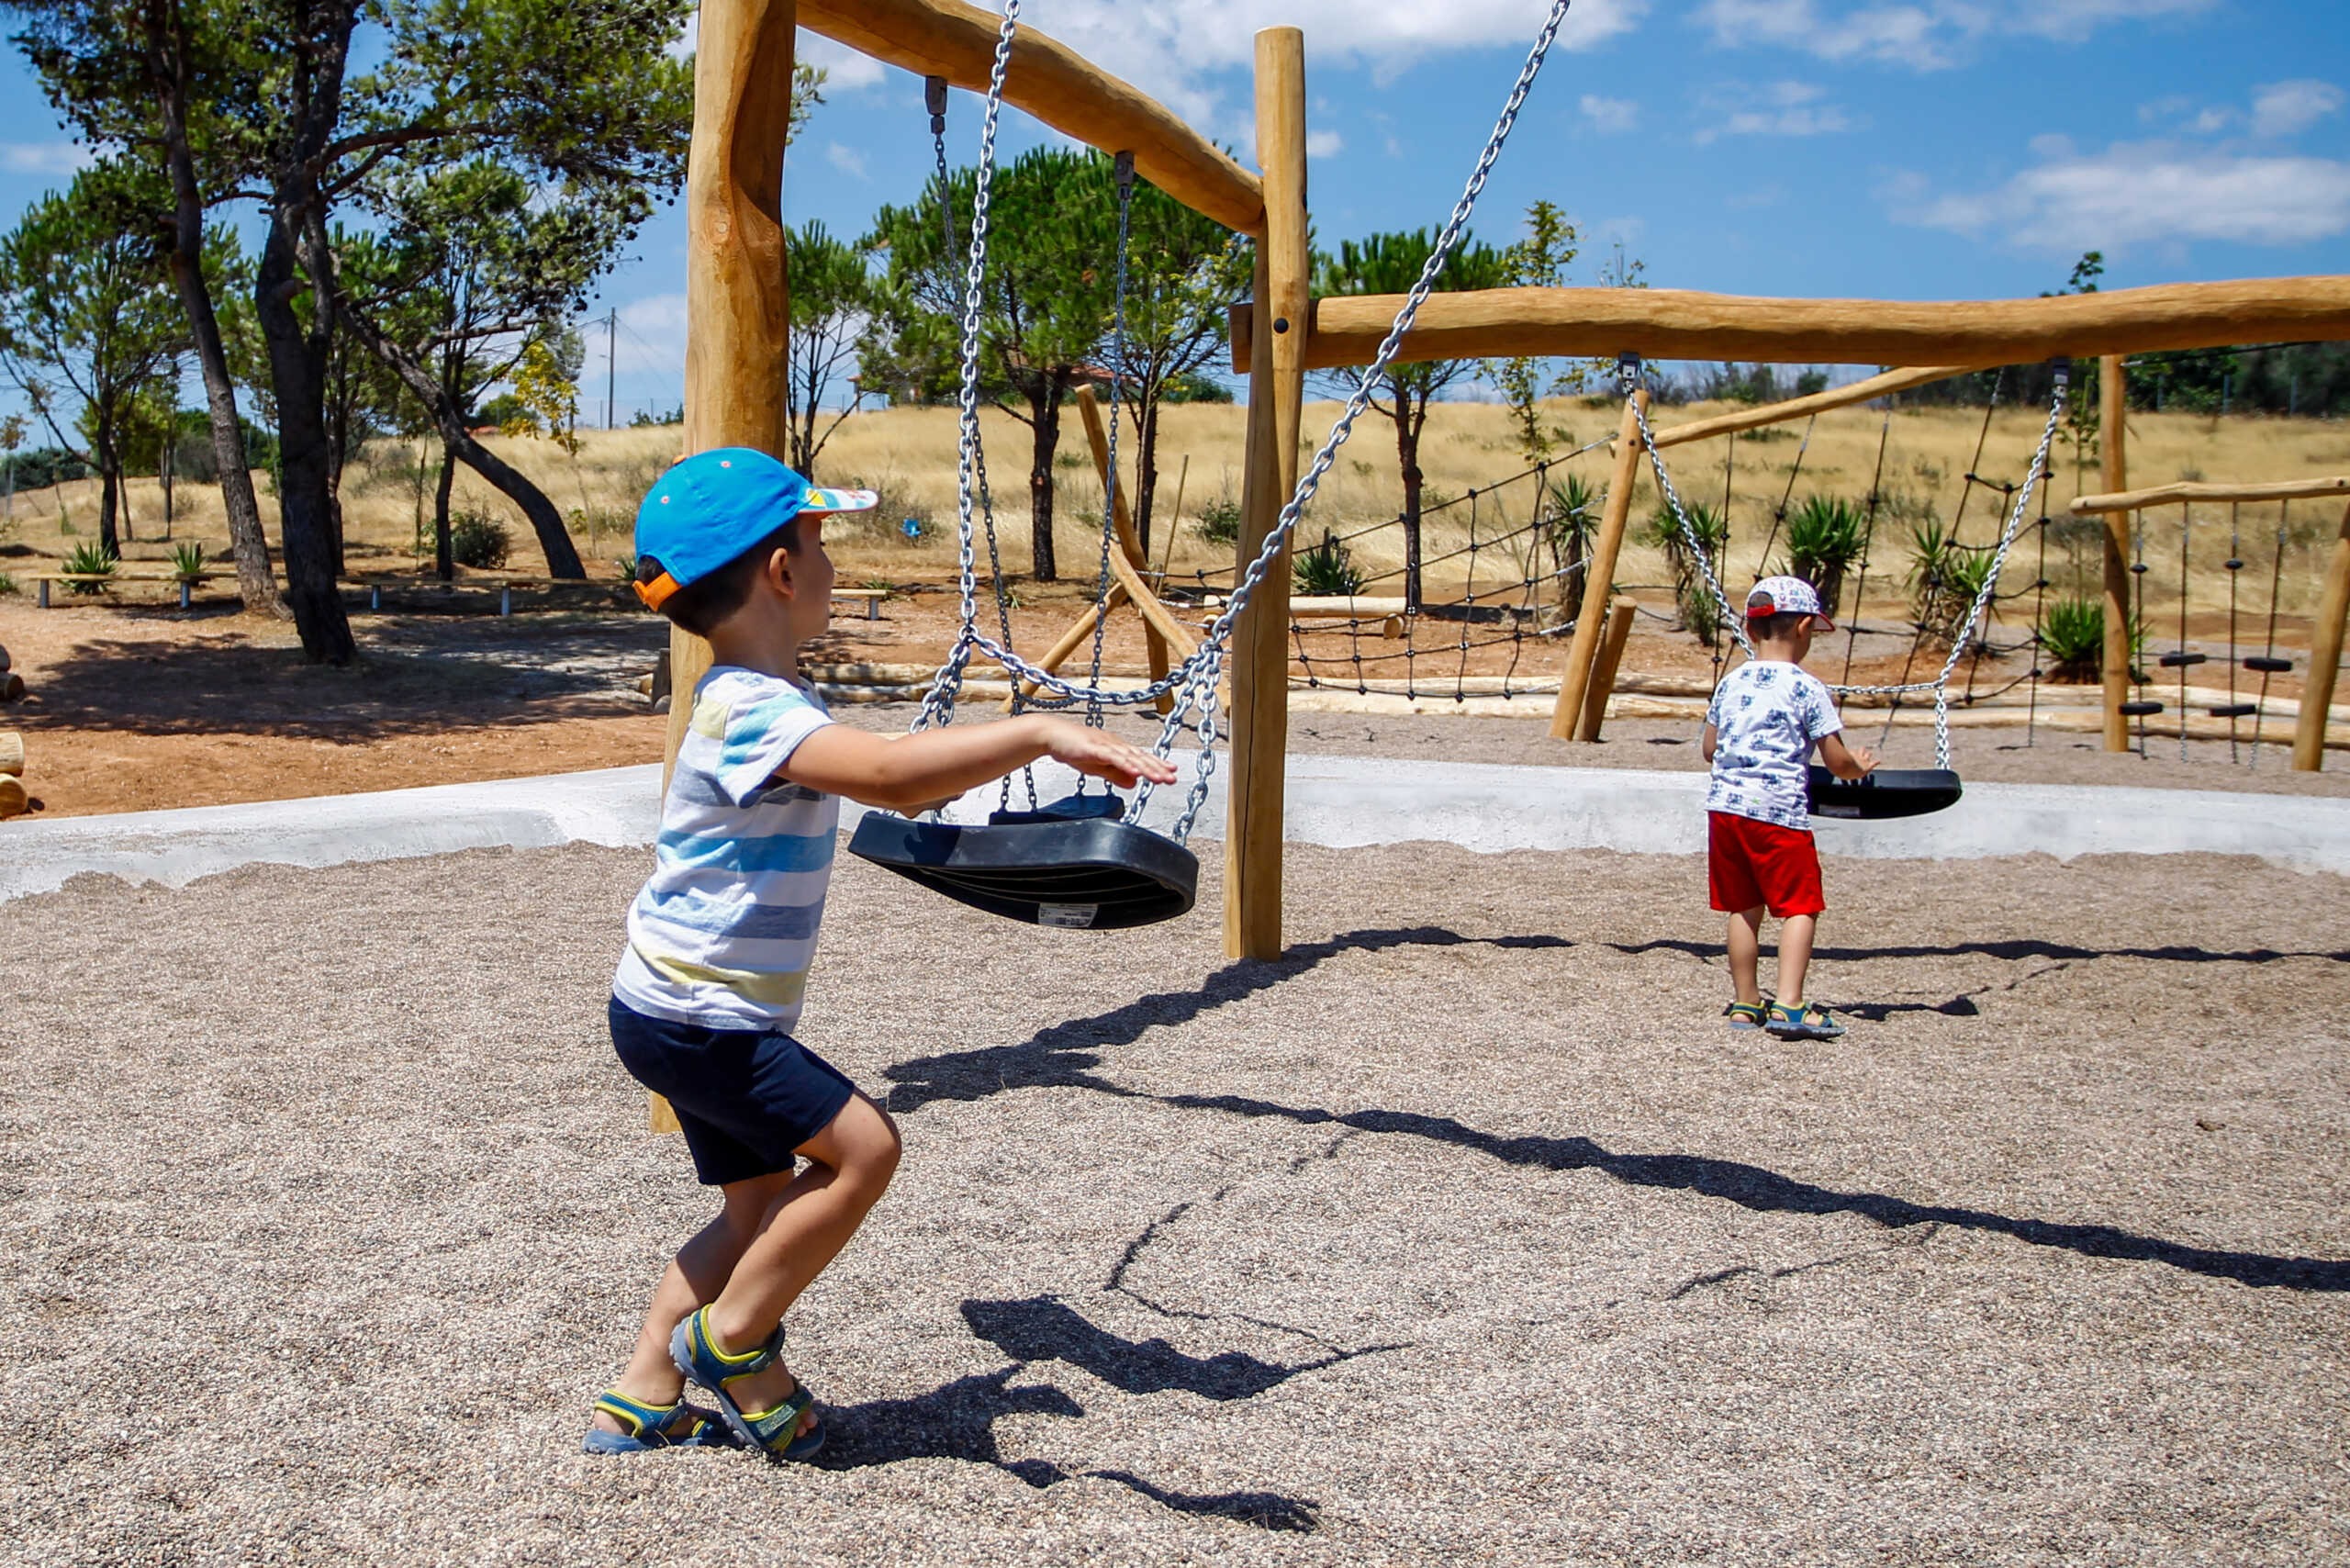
{"points": [[1767, 715]]}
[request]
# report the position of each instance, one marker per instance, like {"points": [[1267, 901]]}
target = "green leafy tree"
{"points": [[303, 113], [1390, 263], [1538, 258], [483, 266], [87, 316], [1183, 273], [172, 84], [1045, 306], [833, 301]]}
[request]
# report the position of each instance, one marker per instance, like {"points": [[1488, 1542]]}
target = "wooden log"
{"points": [[1620, 614], [1892, 381], [1128, 544], [2113, 441], [1080, 632], [737, 308], [12, 754], [1673, 324], [1051, 80], [2283, 490], [14, 800], [1260, 659], [2325, 655], [1599, 575]]}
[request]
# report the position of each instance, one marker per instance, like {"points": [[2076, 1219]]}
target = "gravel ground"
{"points": [[1463, 1232]]}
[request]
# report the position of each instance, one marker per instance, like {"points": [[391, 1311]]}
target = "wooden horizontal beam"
{"points": [[1672, 323], [2284, 490], [1816, 403], [1054, 82]]}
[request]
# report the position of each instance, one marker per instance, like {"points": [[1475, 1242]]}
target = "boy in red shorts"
{"points": [[1765, 717]]}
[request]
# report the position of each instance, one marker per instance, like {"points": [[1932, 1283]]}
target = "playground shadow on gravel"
{"points": [[1065, 1056]]}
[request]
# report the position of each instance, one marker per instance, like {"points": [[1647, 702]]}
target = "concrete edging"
{"points": [[1339, 801]]}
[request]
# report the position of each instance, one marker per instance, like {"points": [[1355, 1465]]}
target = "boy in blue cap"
{"points": [[721, 939], [1765, 717]]}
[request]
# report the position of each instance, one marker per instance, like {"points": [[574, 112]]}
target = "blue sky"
{"points": [[1899, 148]]}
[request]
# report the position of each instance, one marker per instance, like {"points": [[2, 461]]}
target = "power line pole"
{"points": [[611, 325]]}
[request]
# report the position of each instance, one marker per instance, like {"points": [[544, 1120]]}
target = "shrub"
{"points": [[1700, 614], [92, 556], [1326, 571], [478, 542], [2073, 632], [187, 561], [8, 585], [1219, 521], [1945, 578], [1824, 539]]}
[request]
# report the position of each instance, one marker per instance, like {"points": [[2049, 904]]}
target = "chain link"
{"points": [[1628, 374]]}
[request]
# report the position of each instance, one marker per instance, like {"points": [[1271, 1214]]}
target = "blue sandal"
{"points": [[774, 1432], [1745, 1014], [653, 1427], [1805, 1021]]}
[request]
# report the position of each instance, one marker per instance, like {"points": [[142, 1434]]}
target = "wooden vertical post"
{"points": [[737, 308], [1620, 612], [2113, 406], [1259, 661], [1599, 575], [2325, 657]]}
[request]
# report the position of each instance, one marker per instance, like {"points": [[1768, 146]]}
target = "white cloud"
{"points": [[845, 70], [1609, 117], [652, 339], [1925, 35], [2142, 193], [847, 160], [45, 157], [2288, 108], [1324, 143], [1779, 109]]}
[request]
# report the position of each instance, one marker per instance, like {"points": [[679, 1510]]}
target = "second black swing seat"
{"points": [[1072, 863], [1888, 792]]}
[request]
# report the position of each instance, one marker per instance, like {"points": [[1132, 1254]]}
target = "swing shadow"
{"points": [[957, 1421], [1065, 1055]]}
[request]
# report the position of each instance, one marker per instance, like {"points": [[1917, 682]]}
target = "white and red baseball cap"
{"points": [[1786, 596]]}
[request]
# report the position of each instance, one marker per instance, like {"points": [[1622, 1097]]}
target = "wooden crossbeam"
{"points": [[2283, 490]]}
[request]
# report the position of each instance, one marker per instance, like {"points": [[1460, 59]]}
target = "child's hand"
{"points": [[1098, 754], [1867, 758]]}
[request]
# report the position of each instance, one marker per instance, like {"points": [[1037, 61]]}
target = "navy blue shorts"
{"points": [[746, 1098]]}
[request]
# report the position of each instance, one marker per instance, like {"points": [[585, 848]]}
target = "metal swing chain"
{"points": [[1199, 673], [1629, 377], [1122, 171]]}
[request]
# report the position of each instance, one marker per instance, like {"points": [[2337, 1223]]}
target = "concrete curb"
{"points": [[1339, 801]]}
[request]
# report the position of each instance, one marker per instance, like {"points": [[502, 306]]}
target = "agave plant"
{"points": [[2071, 631], [1327, 570], [187, 561], [91, 558], [1825, 536], [1700, 614]]}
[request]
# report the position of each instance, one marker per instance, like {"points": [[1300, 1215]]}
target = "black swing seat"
{"points": [[1885, 794], [1072, 863]]}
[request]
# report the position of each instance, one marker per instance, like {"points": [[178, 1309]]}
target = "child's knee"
{"points": [[866, 1145]]}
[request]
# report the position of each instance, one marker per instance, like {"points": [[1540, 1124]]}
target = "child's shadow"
{"points": [[958, 1421]]}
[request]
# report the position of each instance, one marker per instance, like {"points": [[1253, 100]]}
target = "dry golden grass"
{"points": [[909, 454]]}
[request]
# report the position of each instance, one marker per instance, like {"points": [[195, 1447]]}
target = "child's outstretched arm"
{"points": [[1706, 741], [1843, 761], [913, 771]]}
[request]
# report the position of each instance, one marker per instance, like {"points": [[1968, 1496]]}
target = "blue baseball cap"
{"points": [[714, 505]]}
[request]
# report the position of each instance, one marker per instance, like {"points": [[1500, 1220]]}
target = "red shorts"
{"points": [[1749, 862]]}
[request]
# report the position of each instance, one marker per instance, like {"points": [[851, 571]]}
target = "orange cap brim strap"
{"points": [[656, 593]]}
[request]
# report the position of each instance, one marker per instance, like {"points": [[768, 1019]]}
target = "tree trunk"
{"points": [[1047, 428], [563, 559], [255, 584], [1146, 473], [444, 565], [338, 443], [1407, 456], [171, 448], [109, 494], [298, 371]]}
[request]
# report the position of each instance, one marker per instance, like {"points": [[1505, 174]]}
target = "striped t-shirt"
{"points": [[723, 933]]}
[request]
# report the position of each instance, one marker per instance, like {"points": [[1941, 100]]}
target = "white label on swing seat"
{"points": [[1072, 916]]}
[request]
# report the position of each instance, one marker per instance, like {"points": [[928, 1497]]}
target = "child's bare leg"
{"points": [[1745, 954], [1795, 957], [804, 1228], [696, 1275]]}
